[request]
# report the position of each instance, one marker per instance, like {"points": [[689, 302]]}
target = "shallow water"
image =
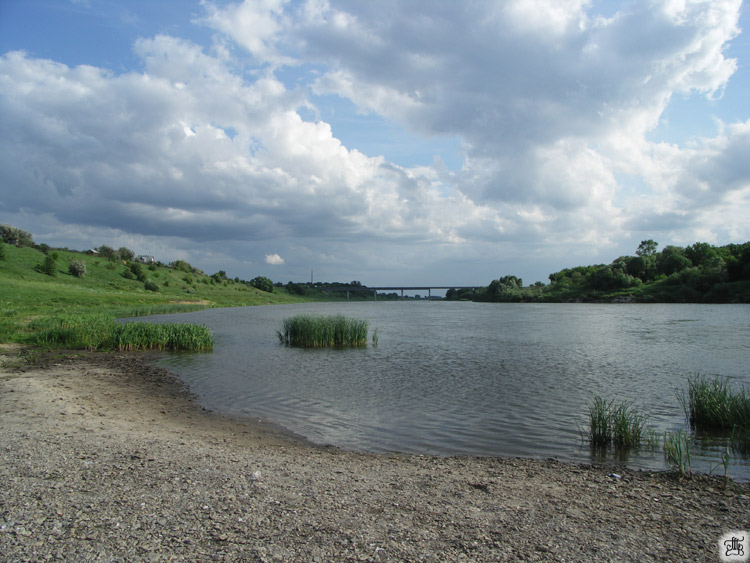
{"points": [[469, 378]]}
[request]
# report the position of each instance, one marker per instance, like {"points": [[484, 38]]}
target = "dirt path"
{"points": [[106, 458]]}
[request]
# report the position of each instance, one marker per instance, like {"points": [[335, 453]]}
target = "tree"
{"points": [[672, 260], [14, 235], [504, 289], [262, 283], [647, 248], [126, 253], [2, 251], [700, 253], [184, 266], [107, 252]]}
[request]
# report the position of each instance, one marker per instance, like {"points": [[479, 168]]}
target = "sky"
{"points": [[397, 142]]}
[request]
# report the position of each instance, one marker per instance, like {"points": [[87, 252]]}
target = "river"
{"points": [[467, 378]]}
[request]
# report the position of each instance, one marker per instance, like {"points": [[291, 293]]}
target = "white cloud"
{"points": [[274, 259], [552, 100]]}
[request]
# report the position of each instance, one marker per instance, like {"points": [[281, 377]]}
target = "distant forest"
{"points": [[700, 273]]}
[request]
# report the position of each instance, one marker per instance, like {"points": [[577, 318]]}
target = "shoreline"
{"points": [[109, 458]]}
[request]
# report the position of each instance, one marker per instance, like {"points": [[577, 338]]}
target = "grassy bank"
{"points": [[32, 302], [102, 332]]}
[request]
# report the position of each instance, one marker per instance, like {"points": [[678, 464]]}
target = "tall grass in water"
{"points": [[101, 332], [334, 331], [617, 425], [712, 405], [170, 336]]}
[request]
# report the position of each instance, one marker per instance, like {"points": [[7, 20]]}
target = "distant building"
{"points": [[144, 259]]}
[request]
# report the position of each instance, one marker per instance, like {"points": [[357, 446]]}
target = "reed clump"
{"points": [[712, 405], [101, 332], [617, 425], [335, 331]]}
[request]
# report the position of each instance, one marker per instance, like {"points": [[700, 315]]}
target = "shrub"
{"points": [[77, 268], [138, 272], [49, 266], [262, 283], [2, 251], [150, 286]]}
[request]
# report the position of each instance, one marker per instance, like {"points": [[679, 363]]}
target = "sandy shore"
{"points": [[106, 458]]}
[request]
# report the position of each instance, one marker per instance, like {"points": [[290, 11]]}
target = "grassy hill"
{"points": [[109, 287]]}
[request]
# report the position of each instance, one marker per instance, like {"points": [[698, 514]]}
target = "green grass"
{"points": [[29, 298], [677, 451], [711, 404], [334, 331], [617, 425], [101, 332]]}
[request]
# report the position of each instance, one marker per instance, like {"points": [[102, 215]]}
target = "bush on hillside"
{"points": [[150, 286], [262, 283], [77, 268], [49, 266]]}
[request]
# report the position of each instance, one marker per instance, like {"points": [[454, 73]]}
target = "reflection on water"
{"points": [[467, 378]]}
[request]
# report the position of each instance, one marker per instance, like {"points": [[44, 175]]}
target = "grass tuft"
{"points": [[334, 331], [617, 425], [677, 451]]}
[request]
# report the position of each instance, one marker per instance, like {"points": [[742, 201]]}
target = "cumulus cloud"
{"points": [[553, 105], [274, 259]]}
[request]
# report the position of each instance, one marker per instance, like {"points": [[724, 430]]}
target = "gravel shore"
{"points": [[107, 458]]}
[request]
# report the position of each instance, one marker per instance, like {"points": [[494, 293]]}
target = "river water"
{"points": [[468, 378]]}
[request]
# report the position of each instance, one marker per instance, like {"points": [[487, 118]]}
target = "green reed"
{"points": [[711, 404], [336, 331], [617, 425], [677, 451], [101, 332]]}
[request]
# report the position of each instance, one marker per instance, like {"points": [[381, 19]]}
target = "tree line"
{"points": [[699, 272]]}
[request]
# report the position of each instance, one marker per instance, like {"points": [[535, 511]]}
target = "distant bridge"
{"points": [[401, 288]]}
